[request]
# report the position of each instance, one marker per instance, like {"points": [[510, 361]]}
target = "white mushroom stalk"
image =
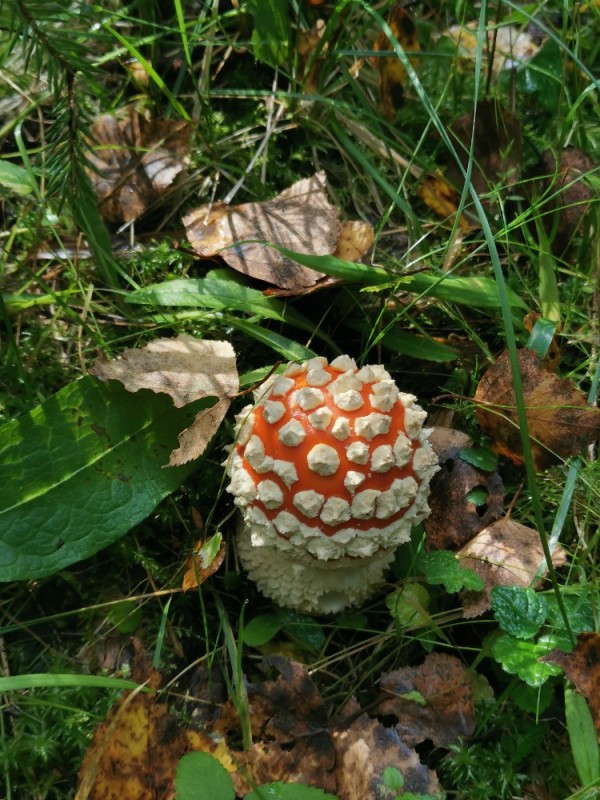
{"points": [[331, 470]]}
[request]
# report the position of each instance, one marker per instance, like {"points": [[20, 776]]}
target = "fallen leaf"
{"points": [[569, 194], [206, 558], [301, 219], [454, 518], [433, 701], [135, 751], [355, 240], [559, 419], [392, 73], [503, 554], [366, 752], [311, 56], [187, 369], [582, 668], [496, 135], [509, 44], [132, 160], [442, 198]]}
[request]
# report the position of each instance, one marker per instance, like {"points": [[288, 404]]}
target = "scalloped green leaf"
{"points": [[202, 770], [442, 566], [519, 611], [479, 457], [288, 791], [81, 470], [519, 657]]}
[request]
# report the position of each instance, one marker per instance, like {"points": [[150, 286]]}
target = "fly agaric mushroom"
{"points": [[331, 469]]}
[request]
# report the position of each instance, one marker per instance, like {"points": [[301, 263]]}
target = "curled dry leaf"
{"points": [[454, 519], [392, 73], [442, 198], [133, 160], [187, 369], [559, 419], [509, 44], [582, 668], [503, 554], [445, 686], [301, 219], [365, 749]]}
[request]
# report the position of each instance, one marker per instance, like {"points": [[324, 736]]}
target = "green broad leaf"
{"points": [[286, 791], [198, 775], [288, 348], [582, 735], [542, 76], [519, 611], [533, 700], [579, 608], [81, 470], [477, 496], [393, 779], [409, 605], [261, 630], [541, 337], [210, 549], [126, 616], [422, 347], [518, 657], [16, 179], [442, 566], [302, 628], [271, 34], [352, 620], [481, 458]]}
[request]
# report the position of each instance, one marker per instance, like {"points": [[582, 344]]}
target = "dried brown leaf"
{"points": [[445, 685], [503, 554], [186, 369], [355, 240], [454, 519], [198, 568], [364, 749], [582, 668], [559, 419], [442, 198], [392, 73], [301, 219], [133, 160]]}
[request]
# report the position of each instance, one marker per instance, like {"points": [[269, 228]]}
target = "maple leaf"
{"points": [[301, 218], [187, 369], [559, 419]]}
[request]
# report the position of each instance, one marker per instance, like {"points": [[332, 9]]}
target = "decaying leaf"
{"points": [[509, 44], [570, 195], [496, 147], [135, 751], [454, 518], [559, 419], [355, 240], [433, 701], [442, 198], [132, 160], [365, 750], [310, 55], [205, 560], [503, 554], [301, 219], [187, 369], [582, 668], [392, 73]]}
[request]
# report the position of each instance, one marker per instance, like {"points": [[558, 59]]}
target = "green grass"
{"points": [[436, 305]]}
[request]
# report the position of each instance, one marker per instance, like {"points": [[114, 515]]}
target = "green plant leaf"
{"points": [[302, 628], [393, 778], [81, 470], [582, 735], [287, 791], [479, 457], [261, 630], [409, 605], [200, 775], [16, 179], [37, 680], [579, 607], [521, 658], [422, 347], [271, 34], [519, 611], [125, 615], [289, 349], [442, 566]]}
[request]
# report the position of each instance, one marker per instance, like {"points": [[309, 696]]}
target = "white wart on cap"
{"points": [[331, 469]]}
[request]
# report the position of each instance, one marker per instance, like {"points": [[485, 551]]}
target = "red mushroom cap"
{"points": [[331, 467]]}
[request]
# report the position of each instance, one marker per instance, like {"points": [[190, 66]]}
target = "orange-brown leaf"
{"points": [[559, 419], [392, 73]]}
